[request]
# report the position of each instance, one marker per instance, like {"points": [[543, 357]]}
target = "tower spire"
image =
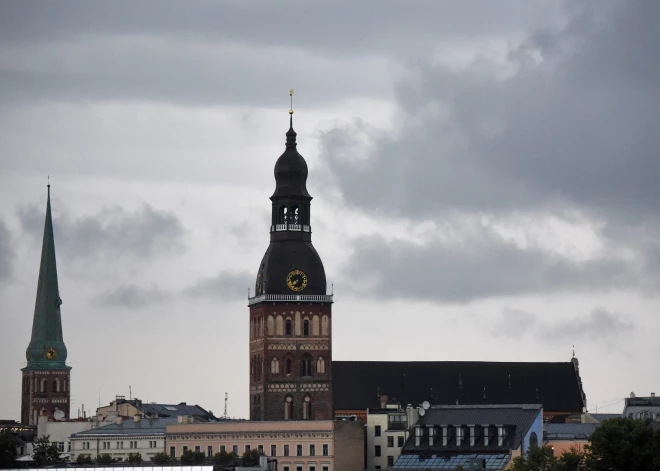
{"points": [[47, 349], [291, 134]]}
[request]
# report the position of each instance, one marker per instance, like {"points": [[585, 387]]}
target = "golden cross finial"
{"points": [[291, 98]]}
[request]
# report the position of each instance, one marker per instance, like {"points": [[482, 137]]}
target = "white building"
{"points": [[387, 431], [642, 407], [137, 435], [59, 432]]}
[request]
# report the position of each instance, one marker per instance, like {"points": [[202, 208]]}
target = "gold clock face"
{"points": [[51, 353], [296, 280]]}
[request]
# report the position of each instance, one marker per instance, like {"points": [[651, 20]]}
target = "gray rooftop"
{"points": [[130, 428], [601, 417], [568, 431]]}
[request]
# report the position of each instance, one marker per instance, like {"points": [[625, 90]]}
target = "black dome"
{"points": [[291, 170], [283, 257]]}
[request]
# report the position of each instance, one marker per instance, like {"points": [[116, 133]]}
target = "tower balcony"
{"points": [[291, 227], [295, 298]]}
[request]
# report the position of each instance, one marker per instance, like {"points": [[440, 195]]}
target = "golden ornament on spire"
{"points": [[291, 97]]}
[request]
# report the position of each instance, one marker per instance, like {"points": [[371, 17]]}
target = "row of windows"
{"points": [[58, 385], [312, 467], [119, 445], [284, 326], [286, 451], [306, 367]]}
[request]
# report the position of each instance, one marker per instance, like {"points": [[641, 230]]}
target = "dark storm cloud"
{"points": [[111, 233], [226, 285], [482, 266], [6, 253], [131, 296], [229, 52], [574, 124]]}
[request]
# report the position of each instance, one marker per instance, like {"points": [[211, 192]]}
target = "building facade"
{"points": [[296, 445], [60, 431], [387, 429], [646, 408], [128, 408], [124, 436], [290, 314], [46, 385]]}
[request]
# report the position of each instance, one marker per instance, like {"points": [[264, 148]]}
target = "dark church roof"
{"points": [[356, 384]]}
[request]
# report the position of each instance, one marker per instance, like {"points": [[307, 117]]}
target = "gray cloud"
{"points": [[482, 265], [131, 296], [599, 325], [226, 285], [113, 232], [6, 252], [565, 120]]}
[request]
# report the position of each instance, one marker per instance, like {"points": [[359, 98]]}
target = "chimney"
{"points": [[119, 420], [383, 400], [137, 417], [652, 394]]}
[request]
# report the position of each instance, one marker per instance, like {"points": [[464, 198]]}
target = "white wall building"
{"points": [[137, 435], [59, 432], [387, 432], [642, 407]]}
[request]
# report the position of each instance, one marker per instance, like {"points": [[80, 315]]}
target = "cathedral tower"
{"points": [[46, 387], [290, 313]]}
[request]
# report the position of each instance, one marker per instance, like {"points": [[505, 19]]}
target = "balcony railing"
{"points": [[290, 227], [301, 298]]}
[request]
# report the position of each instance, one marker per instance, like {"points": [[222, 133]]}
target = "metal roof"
{"points": [[568, 431], [130, 427], [420, 462]]}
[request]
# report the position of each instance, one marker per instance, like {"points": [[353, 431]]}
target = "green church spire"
{"points": [[47, 349]]}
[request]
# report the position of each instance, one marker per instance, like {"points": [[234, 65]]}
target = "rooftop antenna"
{"points": [[130, 393], [226, 398]]}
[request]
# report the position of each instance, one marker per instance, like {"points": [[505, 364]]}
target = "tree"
{"points": [[8, 443], [83, 459], [105, 458], [45, 453], [574, 459], [192, 457], [536, 459], [624, 444], [251, 458], [160, 458], [134, 458], [222, 457]]}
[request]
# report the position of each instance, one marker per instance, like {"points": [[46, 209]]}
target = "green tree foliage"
{"points": [[45, 453], [624, 444], [222, 457], [160, 458], [251, 458], [105, 458], [192, 457], [8, 443], [134, 458], [84, 459], [536, 459]]}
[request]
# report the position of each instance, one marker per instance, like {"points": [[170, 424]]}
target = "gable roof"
{"points": [[555, 385]]}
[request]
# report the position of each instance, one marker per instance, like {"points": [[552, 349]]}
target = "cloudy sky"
{"points": [[486, 182]]}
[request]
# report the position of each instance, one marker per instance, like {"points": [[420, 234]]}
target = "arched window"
{"points": [[279, 326], [307, 408], [533, 440], [56, 384], [288, 408], [289, 365], [64, 385], [284, 215], [270, 326], [295, 215], [288, 326], [306, 366], [274, 366], [325, 325], [315, 325], [320, 365], [43, 384], [306, 327]]}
